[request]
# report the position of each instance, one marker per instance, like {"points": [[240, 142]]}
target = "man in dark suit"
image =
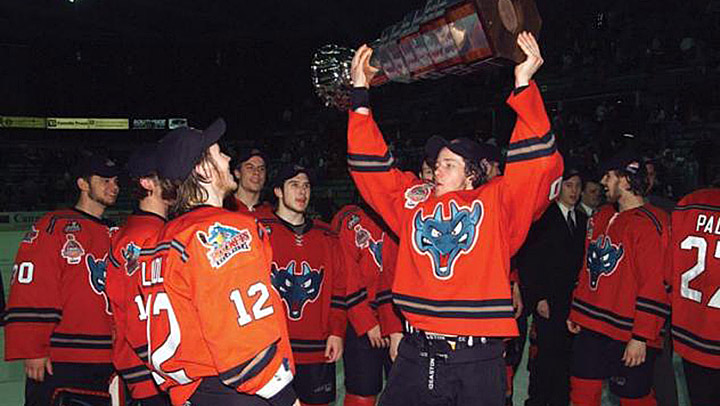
{"points": [[551, 261]]}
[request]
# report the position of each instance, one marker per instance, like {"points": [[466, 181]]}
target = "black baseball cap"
{"points": [[465, 147], [570, 171], [96, 164], [572, 168], [290, 171], [626, 160], [491, 153], [179, 149], [247, 153], [143, 162]]}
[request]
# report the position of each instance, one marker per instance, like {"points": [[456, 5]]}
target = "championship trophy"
{"points": [[446, 37]]}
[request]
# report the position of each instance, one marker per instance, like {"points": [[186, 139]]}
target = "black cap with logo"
{"points": [[465, 147], [247, 153], [290, 171], [143, 162], [96, 164], [179, 150]]}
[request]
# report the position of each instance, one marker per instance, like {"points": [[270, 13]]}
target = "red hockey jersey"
{"points": [[58, 306], [211, 308], [128, 267], [620, 292], [307, 272], [370, 254], [694, 257], [453, 263], [260, 210]]}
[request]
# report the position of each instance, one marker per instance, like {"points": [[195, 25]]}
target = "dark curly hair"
{"points": [[475, 170], [638, 181]]}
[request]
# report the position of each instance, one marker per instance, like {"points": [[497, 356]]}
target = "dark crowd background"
{"points": [[617, 72]]}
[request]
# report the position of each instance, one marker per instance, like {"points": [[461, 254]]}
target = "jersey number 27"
{"points": [[689, 243]]}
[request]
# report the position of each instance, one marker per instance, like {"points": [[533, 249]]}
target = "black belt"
{"points": [[454, 342]]}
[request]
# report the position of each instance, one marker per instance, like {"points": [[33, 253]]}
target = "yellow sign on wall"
{"points": [[22, 122], [63, 123]]}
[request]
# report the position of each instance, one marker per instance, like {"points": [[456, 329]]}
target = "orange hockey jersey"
{"points": [[694, 257], [129, 266], [370, 254], [212, 310], [58, 306], [620, 292], [307, 272], [453, 266]]}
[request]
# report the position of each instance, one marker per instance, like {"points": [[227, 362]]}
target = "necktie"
{"points": [[571, 221]]}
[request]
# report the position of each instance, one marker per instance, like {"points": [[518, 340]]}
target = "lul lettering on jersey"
{"points": [[708, 224], [155, 275]]}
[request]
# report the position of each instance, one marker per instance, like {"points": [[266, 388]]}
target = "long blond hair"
{"points": [[189, 192]]}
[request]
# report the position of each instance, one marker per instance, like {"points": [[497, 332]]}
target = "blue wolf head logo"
{"points": [[602, 258], [445, 239], [97, 269], [297, 289]]}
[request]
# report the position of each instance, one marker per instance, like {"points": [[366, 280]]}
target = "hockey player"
{"points": [[128, 268], [251, 173], [369, 249], [217, 335], [620, 303], [694, 262], [58, 316], [307, 273], [456, 238]]}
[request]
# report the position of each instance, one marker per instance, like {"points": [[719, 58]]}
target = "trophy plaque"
{"points": [[446, 37]]}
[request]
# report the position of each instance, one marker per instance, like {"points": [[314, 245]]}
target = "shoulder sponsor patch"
{"points": [[352, 221], [72, 251], [131, 255], [417, 194], [363, 240], [30, 236], [112, 230], [72, 227], [223, 242]]}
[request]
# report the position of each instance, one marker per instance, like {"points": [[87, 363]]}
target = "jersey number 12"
{"points": [[259, 309]]}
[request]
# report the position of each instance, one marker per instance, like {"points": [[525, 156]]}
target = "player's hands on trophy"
{"points": [[634, 353], [525, 70], [333, 348], [395, 339], [361, 73], [35, 368], [573, 327], [376, 338]]}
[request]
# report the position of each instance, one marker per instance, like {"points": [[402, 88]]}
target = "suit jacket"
{"points": [[551, 258]]}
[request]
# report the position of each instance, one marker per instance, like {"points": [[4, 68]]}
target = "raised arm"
{"points": [[534, 166], [369, 159]]}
